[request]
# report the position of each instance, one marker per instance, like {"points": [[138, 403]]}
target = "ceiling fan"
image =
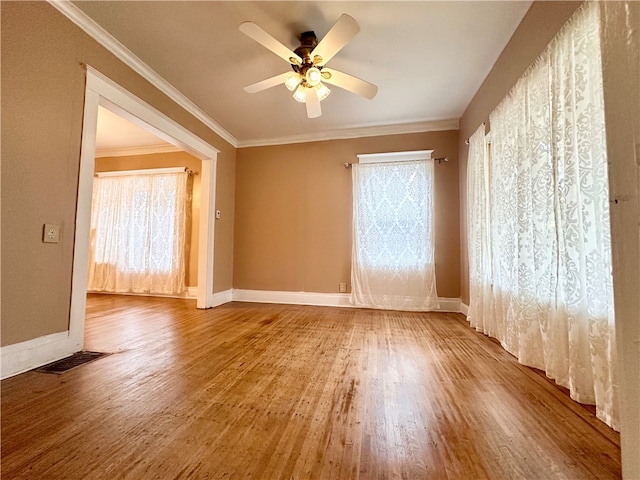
{"points": [[308, 62]]}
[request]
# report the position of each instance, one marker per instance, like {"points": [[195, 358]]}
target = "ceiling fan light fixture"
{"points": [[300, 95], [308, 63], [313, 76], [323, 91], [292, 80]]}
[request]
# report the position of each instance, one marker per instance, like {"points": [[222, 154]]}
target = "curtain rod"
{"points": [[439, 160], [485, 123], [145, 171]]}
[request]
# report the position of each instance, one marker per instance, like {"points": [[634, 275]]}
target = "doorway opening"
{"points": [[145, 219], [102, 92]]}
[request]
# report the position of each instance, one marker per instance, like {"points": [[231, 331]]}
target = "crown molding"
{"points": [[130, 151], [105, 39], [359, 132], [95, 31]]}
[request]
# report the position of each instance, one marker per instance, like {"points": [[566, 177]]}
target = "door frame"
{"points": [[102, 91]]}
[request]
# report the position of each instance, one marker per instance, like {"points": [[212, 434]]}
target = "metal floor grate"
{"points": [[66, 364]]}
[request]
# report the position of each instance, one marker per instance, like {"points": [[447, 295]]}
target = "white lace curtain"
{"points": [[392, 260], [138, 233], [539, 235]]}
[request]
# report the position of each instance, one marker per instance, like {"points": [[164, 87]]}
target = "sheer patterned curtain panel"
{"points": [[539, 233], [138, 233], [393, 255]]}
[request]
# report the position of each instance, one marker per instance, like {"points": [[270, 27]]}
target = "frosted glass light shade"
{"points": [[292, 80], [300, 94], [323, 91], [313, 76]]}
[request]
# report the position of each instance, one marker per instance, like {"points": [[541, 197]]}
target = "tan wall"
{"points": [[43, 80], [166, 160], [537, 28], [224, 227], [293, 212]]}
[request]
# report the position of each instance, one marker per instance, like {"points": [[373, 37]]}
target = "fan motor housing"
{"points": [[308, 42]]}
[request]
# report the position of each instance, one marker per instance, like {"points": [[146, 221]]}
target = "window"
{"points": [[538, 218], [138, 233], [392, 262]]}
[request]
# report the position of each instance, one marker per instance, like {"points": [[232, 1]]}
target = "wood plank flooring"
{"points": [[293, 392]]}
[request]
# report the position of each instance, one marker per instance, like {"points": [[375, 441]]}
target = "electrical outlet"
{"points": [[343, 288], [51, 233]]}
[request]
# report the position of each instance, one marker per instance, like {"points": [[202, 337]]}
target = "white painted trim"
{"points": [[142, 171], [395, 156], [449, 305], [21, 357], [206, 233], [220, 298], [80, 268], [292, 298], [105, 39], [320, 299], [358, 132], [101, 91], [24, 356], [185, 296], [192, 292], [137, 111], [106, 93], [464, 309], [131, 151]]}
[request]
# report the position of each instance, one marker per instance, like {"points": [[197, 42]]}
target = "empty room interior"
{"points": [[299, 240]]}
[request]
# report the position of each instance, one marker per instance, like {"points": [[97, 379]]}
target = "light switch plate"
{"points": [[51, 233]]}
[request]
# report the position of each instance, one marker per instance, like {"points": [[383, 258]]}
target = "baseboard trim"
{"points": [[464, 309], [220, 298], [292, 298], [320, 299], [450, 305], [25, 356], [192, 293]]}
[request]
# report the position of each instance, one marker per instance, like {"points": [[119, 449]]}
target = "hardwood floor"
{"points": [[292, 392]]}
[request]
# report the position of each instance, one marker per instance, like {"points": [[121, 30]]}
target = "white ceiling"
{"points": [[116, 136], [428, 59]]}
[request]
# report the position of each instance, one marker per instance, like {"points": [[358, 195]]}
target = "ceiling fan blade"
{"points": [[264, 84], [313, 104], [351, 83], [253, 31], [342, 31]]}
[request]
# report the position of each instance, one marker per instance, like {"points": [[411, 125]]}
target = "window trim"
{"points": [[395, 156], [143, 171]]}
